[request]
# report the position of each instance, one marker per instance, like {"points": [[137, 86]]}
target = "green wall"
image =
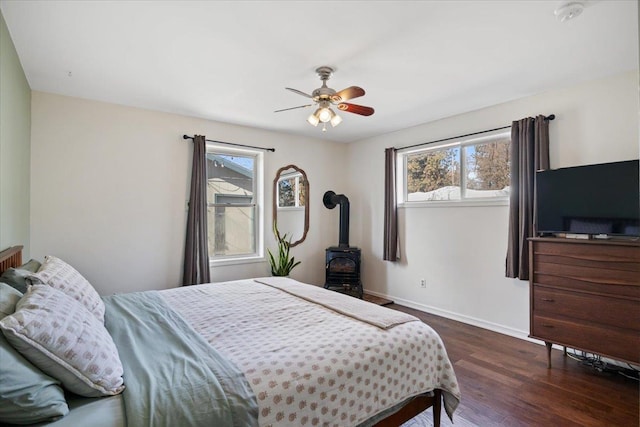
{"points": [[15, 146]]}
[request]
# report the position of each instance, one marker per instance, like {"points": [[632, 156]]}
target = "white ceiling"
{"points": [[230, 61]]}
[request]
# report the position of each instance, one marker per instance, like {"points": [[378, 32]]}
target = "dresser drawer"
{"points": [[616, 343], [603, 310], [588, 279], [589, 254], [588, 266]]}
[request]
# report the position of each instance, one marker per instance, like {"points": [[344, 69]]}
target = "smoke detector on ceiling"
{"points": [[569, 11]]}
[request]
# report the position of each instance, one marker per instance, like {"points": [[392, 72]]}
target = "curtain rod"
{"points": [[231, 143], [547, 118]]}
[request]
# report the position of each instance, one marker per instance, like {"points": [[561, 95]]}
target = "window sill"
{"points": [[221, 262], [456, 203], [290, 208]]}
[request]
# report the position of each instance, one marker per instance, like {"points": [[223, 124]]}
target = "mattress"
{"points": [[311, 363], [284, 353]]}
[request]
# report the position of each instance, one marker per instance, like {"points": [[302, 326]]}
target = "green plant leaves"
{"points": [[282, 265]]}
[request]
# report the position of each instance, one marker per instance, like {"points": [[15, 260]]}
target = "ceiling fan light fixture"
{"points": [[325, 114], [325, 97], [313, 118]]}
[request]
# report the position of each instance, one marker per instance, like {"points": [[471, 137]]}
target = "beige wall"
{"points": [[110, 184], [15, 135], [460, 251]]}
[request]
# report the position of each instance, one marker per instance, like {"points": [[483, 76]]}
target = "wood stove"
{"points": [[342, 270], [342, 267]]}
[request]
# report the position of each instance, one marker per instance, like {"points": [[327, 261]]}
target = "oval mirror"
{"points": [[291, 204]]}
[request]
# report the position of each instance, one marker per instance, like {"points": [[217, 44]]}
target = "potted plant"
{"points": [[282, 264]]}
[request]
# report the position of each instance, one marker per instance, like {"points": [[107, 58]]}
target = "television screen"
{"points": [[592, 199]]}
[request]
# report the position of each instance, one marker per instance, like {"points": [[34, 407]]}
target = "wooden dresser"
{"points": [[585, 294]]}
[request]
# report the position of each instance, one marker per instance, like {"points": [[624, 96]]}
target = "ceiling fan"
{"points": [[325, 97]]}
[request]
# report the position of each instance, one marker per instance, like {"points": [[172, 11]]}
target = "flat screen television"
{"points": [[593, 199]]}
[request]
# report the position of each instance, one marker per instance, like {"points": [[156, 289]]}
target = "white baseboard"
{"points": [[501, 329]]}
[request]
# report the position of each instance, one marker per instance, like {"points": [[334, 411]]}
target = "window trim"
{"points": [[401, 175], [258, 191]]}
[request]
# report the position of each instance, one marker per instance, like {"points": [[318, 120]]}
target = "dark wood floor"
{"points": [[504, 381]]}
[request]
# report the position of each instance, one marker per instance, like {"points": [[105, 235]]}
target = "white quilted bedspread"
{"points": [[309, 365]]}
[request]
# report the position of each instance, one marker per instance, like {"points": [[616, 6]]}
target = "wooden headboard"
{"points": [[11, 257]]}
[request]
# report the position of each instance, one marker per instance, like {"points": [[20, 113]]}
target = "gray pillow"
{"points": [[17, 277], [32, 265], [9, 297], [27, 395]]}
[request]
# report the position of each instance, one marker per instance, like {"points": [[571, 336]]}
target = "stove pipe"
{"points": [[330, 200]]}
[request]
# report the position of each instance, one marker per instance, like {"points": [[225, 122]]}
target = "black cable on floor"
{"points": [[596, 362]]}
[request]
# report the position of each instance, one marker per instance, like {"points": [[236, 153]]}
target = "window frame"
{"points": [[258, 205], [296, 197], [462, 143]]}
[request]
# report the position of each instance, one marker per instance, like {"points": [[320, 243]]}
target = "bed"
{"points": [[265, 351]]}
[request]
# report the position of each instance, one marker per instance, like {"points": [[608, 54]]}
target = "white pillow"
{"points": [[57, 273], [62, 338]]}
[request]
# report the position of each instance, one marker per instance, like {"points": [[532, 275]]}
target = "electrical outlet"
{"points": [[423, 283]]}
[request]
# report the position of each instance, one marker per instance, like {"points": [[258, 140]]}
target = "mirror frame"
{"points": [[275, 203]]}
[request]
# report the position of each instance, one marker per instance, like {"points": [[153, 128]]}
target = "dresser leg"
{"points": [[548, 344]]}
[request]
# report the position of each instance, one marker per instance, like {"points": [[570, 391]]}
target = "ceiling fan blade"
{"points": [[347, 94], [293, 108], [299, 92], [356, 109]]}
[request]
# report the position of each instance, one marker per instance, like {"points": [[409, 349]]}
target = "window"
{"points": [[291, 192], [234, 201], [475, 170]]}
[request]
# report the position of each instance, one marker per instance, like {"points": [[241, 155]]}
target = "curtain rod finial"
{"points": [[186, 137]]}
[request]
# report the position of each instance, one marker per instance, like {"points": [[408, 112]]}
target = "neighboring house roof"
{"points": [[231, 165]]}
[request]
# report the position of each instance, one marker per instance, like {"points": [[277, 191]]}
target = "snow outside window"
{"points": [[472, 170]]}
